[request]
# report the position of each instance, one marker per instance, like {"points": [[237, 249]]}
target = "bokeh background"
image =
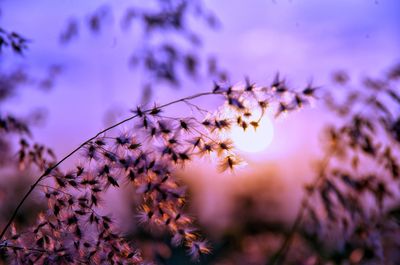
{"points": [[304, 40]]}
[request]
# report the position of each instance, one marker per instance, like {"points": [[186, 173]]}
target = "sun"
{"points": [[253, 140]]}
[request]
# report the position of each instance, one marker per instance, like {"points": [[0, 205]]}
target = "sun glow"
{"points": [[253, 140]]}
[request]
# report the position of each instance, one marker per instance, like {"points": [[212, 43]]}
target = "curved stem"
{"points": [[51, 168], [19, 248], [280, 255]]}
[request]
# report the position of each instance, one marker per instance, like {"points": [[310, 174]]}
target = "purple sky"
{"points": [[301, 39]]}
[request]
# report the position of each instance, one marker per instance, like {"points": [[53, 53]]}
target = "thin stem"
{"points": [[280, 255], [51, 168], [55, 189], [19, 248]]}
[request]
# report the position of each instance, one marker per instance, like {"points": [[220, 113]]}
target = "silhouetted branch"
{"points": [[50, 169]]}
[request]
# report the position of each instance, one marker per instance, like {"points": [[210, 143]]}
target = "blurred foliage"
{"points": [[169, 49], [350, 213]]}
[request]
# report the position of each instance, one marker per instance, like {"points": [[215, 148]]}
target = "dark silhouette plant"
{"points": [[354, 198]]}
